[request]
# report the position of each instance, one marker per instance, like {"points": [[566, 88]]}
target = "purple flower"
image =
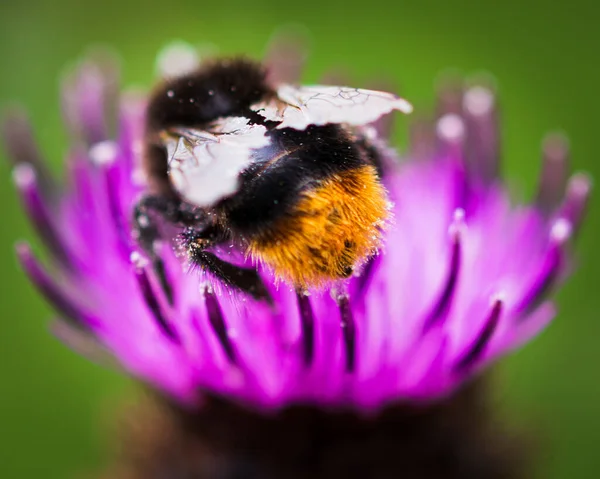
{"points": [[463, 278]]}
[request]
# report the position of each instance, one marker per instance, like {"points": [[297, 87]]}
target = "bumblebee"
{"points": [[285, 172]]}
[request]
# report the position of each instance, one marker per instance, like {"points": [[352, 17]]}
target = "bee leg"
{"points": [[246, 280], [170, 209], [145, 225]]}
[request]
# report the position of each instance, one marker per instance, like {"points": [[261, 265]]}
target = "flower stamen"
{"points": [[111, 179], [36, 205], [555, 165], [478, 347], [364, 278], [576, 199], [48, 287], [153, 303], [21, 148], [217, 322], [482, 143], [348, 331], [442, 305], [550, 270], [307, 323]]}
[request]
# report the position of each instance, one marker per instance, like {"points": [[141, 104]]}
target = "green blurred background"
{"points": [[55, 406]]}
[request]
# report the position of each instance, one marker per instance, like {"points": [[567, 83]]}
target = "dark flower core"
{"points": [[452, 439]]}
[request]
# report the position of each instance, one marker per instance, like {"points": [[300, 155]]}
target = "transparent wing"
{"points": [[205, 166], [301, 106]]}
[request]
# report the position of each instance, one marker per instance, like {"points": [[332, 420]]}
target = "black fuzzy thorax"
{"points": [[217, 89], [221, 88], [457, 438]]}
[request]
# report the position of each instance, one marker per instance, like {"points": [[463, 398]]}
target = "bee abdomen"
{"points": [[332, 230]]}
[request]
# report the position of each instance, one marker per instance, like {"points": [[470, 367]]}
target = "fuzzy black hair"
{"points": [[217, 89]]}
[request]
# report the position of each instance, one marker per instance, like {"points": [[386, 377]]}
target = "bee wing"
{"points": [[205, 166], [302, 106]]}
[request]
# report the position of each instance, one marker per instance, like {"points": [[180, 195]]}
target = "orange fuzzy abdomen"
{"points": [[332, 230]]}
